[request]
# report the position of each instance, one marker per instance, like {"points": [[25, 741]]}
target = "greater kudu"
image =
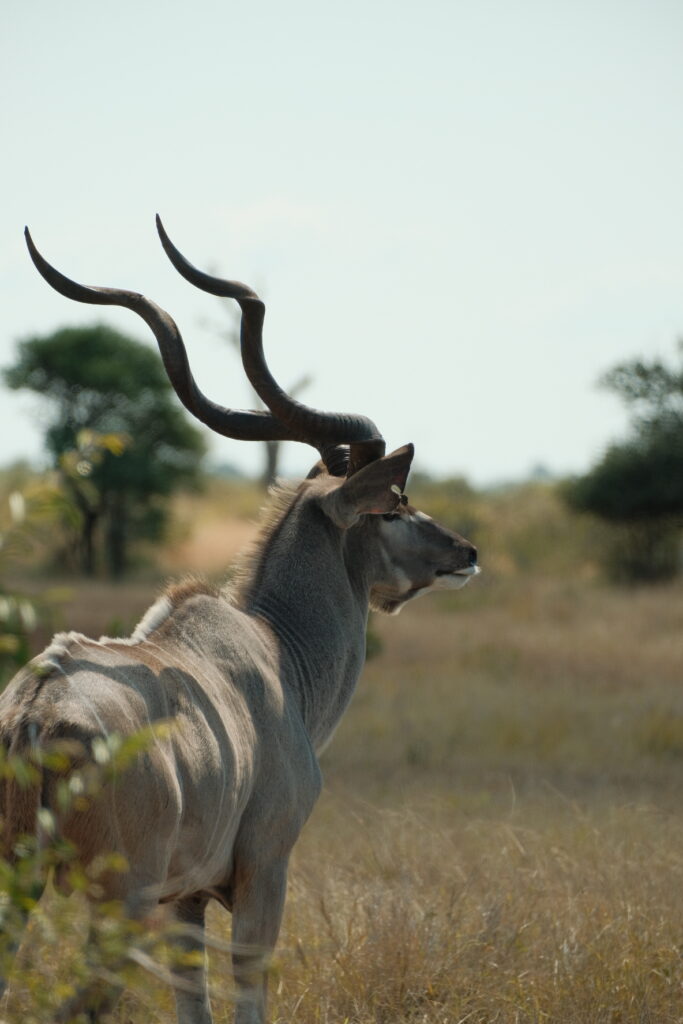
{"points": [[255, 676]]}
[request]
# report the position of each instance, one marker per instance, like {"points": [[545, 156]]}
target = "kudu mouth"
{"points": [[442, 580], [442, 576]]}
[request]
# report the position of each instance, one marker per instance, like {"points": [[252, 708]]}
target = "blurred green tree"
{"points": [[115, 431], [638, 483]]}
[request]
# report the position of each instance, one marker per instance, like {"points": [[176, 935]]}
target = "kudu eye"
{"points": [[389, 516]]}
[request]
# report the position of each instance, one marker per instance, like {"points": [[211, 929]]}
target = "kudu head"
{"points": [[357, 486], [412, 554]]}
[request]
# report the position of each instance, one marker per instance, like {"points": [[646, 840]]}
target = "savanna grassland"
{"points": [[500, 838]]}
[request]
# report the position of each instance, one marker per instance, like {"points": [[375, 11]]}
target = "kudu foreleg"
{"points": [[258, 903]]}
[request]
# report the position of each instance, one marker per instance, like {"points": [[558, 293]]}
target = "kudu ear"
{"points": [[373, 490]]}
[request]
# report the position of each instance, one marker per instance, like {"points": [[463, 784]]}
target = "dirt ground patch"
{"points": [[210, 548]]}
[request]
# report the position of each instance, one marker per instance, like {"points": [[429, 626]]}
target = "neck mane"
{"points": [[251, 561]]}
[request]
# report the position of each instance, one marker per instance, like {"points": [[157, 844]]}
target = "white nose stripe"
{"points": [[420, 517]]}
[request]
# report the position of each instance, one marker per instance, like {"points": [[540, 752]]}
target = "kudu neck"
{"points": [[310, 586]]}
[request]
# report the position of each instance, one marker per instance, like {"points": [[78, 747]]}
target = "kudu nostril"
{"points": [[473, 556]]}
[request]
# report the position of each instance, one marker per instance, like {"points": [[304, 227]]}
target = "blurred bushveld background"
{"points": [[500, 836]]}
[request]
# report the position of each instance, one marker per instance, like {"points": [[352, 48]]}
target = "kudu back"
{"points": [[253, 677]]}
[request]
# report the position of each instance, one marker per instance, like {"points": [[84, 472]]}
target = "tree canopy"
{"points": [[113, 409], [639, 482]]}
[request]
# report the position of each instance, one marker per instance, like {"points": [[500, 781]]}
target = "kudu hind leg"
{"points": [[192, 992], [258, 903]]}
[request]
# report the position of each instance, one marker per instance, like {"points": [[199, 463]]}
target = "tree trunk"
{"points": [[87, 554], [116, 540], [269, 474]]}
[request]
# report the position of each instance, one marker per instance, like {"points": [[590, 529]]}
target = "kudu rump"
{"points": [[255, 677]]}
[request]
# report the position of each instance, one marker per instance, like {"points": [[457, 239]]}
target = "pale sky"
{"points": [[459, 213]]}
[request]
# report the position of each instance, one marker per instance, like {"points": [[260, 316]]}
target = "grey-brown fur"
{"points": [[254, 679]]}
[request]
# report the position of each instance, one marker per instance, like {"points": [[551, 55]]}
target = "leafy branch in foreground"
{"points": [[30, 514], [65, 986]]}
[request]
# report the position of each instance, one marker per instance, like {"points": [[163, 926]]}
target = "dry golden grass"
{"points": [[517, 855], [500, 838]]}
